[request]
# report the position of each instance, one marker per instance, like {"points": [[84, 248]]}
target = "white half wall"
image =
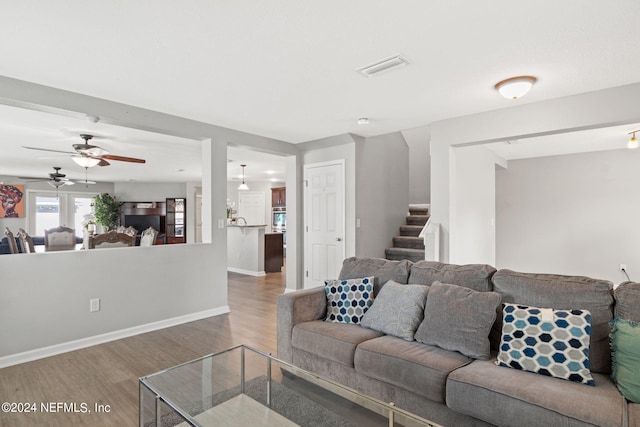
{"points": [[45, 300], [572, 214]]}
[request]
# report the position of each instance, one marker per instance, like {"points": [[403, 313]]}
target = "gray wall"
{"points": [[571, 214], [15, 223], [382, 182], [148, 191], [419, 142]]}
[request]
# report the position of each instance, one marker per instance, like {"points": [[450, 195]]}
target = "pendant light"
{"points": [[243, 186]]}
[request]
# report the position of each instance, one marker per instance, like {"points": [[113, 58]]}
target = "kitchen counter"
{"points": [[245, 249]]}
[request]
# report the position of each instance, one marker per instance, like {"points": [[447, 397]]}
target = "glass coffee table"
{"points": [[242, 386]]}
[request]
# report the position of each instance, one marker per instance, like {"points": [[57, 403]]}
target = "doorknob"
{"points": [[338, 239]]}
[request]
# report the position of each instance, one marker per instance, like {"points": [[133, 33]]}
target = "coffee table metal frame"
{"points": [[388, 410]]}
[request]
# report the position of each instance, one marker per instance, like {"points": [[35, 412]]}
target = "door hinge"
{"points": [[306, 273], [306, 228]]}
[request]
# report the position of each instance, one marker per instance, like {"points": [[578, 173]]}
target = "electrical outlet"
{"points": [[94, 305], [623, 267]]}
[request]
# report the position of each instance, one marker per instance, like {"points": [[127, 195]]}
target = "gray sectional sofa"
{"points": [[446, 386]]}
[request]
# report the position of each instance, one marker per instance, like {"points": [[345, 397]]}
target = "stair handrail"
{"points": [[430, 233]]}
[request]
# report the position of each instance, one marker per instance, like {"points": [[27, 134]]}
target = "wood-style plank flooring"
{"points": [[107, 374]]}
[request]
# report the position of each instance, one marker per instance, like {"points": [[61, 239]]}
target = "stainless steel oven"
{"points": [[279, 219]]}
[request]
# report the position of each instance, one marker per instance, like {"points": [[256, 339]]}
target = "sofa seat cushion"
{"points": [[416, 367], [332, 341], [634, 414], [508, 397]]}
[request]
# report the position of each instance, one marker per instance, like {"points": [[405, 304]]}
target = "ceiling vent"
{"points": [[385, 65]]}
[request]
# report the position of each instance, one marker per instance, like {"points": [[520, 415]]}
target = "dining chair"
{"points": [[26, 242], [111, 239], [59, 239], [13, 246], [148, 237]]}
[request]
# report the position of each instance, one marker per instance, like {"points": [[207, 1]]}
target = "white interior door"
{"points": [[324, 222], [251, 207]]}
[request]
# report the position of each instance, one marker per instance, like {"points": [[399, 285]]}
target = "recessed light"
{"points": [[363, 121], [270, 172], [179, 170]]}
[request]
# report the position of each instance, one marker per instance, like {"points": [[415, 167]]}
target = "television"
{"points": [[142, 222]]}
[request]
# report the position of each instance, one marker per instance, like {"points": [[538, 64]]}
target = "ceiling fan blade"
{"points": [[47, 149], [123, 159], [82, 181], [34, 178]]}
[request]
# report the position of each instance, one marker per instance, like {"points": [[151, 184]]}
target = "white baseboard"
{"points": [[39, 353], [247, 272]]}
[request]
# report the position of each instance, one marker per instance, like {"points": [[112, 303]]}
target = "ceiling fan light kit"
{"points": [[87, 155], [515, 87], [85, 161]]}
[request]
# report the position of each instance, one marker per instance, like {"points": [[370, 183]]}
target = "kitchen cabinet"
{"points": [[176, 220], [279, 197]]}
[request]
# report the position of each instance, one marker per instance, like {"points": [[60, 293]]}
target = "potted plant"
{"points": [[107, 211]]}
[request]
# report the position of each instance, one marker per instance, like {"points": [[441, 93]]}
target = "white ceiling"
{"points": [[285, 69]]}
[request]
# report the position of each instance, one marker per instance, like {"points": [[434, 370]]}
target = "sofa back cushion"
{"points": [[472, 276], [382, 270], [562, 293], [627, 296]]}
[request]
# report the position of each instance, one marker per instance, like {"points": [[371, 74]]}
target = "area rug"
{"points": [[297, 408]]}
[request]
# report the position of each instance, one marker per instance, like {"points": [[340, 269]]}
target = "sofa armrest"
{"points": [[297, 307]]}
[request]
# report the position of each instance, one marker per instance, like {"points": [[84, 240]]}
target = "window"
{"points": [[48, 211]]}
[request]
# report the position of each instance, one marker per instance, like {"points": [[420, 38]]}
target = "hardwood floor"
{"points": [[107, 374]]}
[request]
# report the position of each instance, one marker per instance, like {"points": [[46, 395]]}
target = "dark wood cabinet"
{"points": [[279, 197], [273, 252], [168, 217]]}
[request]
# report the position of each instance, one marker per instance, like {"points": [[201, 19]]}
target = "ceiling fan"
{"points": [[57, 179], [87, 155]]}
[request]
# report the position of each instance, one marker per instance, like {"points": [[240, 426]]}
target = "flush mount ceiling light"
{"points": [[633, 142], [515, 87], [363, 121], [243, 186], [382, 66]]}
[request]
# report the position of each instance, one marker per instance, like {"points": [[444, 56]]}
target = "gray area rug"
{"points": [[295, 407]]}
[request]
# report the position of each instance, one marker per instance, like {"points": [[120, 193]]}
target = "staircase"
{"points": [[408, 245]]}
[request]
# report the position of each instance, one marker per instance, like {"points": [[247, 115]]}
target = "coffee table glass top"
{"points": [[242, 386]]}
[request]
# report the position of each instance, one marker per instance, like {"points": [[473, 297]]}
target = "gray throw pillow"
{"points": [[397, 310], [459, 319]]}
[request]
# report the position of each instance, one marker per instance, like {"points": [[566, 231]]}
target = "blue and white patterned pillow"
{"points": [[547, 342], [348, 300]]}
